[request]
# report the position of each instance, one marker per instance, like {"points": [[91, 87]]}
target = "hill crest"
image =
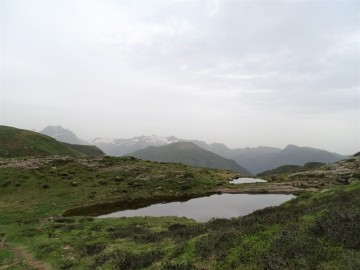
{"points": [[188, 153], [16, 142]]}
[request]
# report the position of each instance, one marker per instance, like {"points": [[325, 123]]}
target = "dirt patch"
{"points": [[23, 259]]}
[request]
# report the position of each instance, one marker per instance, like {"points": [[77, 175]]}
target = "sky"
{"points": [[242, 73]]}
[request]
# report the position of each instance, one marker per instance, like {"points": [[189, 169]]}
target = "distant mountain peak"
{"points": [[63, 135], [291, 147]]}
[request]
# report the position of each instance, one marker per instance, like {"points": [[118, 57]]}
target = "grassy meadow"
{"points": [[317, 230]]}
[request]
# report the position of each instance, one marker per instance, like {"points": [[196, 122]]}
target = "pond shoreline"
{"points": [[120, 205], [264, 188], [203, 209]]}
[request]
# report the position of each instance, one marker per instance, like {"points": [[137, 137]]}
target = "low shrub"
{"points": [[64, 220], [126, 260], [216, 244], [341, 225], [67, 264], [91, 249], [184, 232], [177, 266], [294, 248], [70, 227]]}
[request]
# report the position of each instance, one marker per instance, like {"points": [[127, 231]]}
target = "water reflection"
{"points": [[205, 208]]}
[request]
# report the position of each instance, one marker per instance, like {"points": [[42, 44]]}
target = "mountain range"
{"points": [[260, 159], [189, 154], [121, 147], [255, 160]]}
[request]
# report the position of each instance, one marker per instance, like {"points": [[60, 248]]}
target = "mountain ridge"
{"points": [[255, 159], [290, 155], [63, 135], [188, 153]]}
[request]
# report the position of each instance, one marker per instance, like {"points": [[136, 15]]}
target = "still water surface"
{"points": [[244, 180], [205, 208]]}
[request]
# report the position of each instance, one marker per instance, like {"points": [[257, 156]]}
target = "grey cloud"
{"points": [[216, 62]]}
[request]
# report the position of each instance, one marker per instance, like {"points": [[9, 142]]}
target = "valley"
{"points": [[179, 135], [252, 160], [48, 206], [189, 154]]}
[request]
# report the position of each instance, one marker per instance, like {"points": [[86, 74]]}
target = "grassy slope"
{"points": [[18, 142], [316, 230], [57, 181], [291, 168], [33, 189], [88, 150], [189, 154]]}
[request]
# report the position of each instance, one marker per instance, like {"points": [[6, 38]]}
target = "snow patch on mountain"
{"points": [[121, 147], [153, 140]]}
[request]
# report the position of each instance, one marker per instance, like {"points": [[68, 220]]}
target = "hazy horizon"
{"points": [[90, 139], [242, 73]]}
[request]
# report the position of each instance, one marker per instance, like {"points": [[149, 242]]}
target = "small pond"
{"points": [[244, 180], [204, 208]]}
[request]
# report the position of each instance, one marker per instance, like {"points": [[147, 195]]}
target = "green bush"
{"points": [[91, 249], [67, 264], [341, 225], [177, 266], [294, 248], [183, 232], [216, 244], [126, 260]]}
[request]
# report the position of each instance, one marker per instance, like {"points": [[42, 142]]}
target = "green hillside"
{"points": [[89, 150], [190, 154], [291, 168], [16, 142], [46, 204], [317, 230]]}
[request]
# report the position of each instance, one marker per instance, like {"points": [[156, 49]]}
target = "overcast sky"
{"points": [[244, 73]]}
